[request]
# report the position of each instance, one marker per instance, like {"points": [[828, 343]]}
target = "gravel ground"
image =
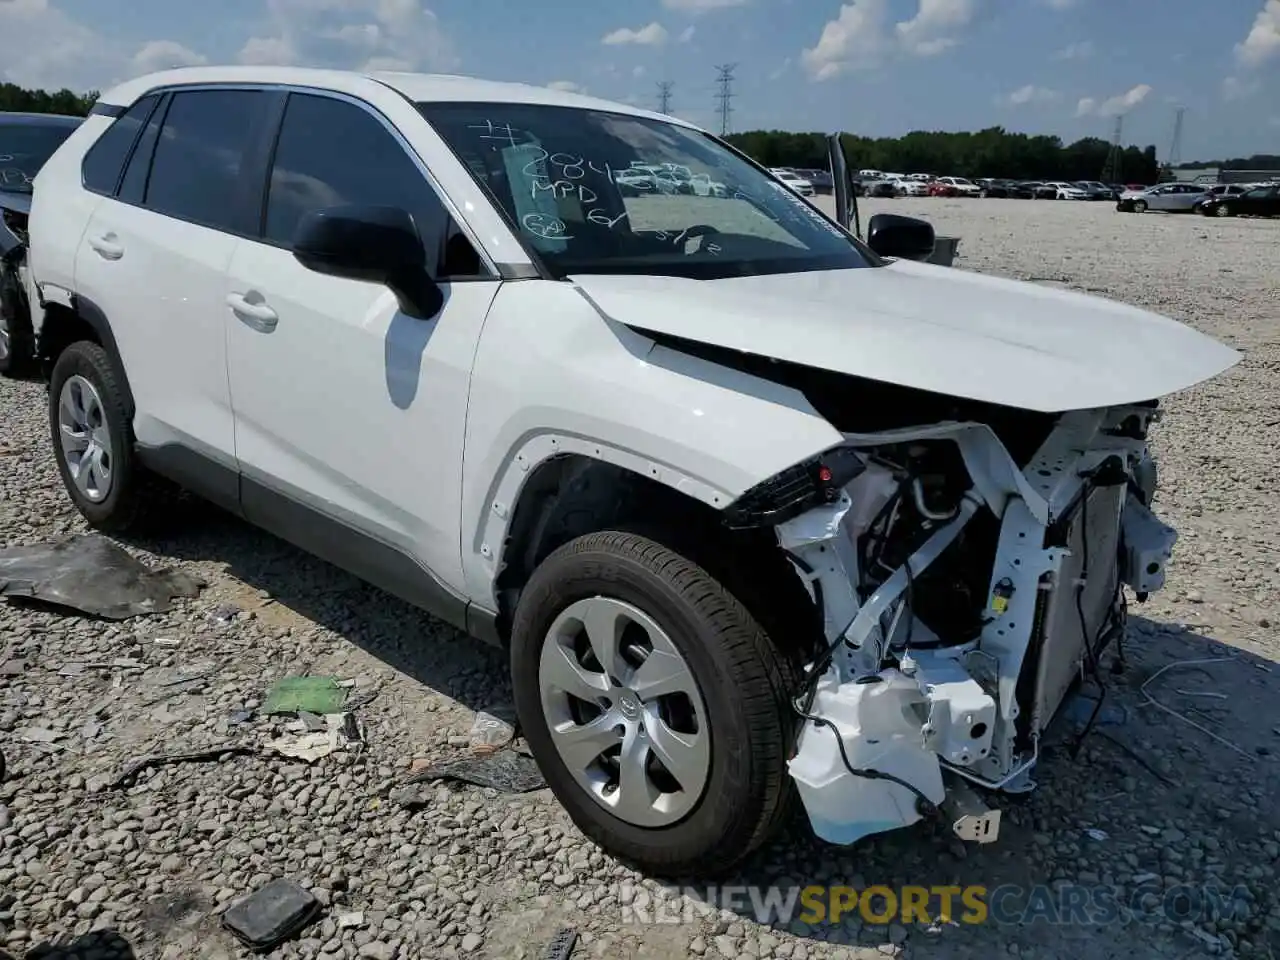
{"points": [[92, 870]]}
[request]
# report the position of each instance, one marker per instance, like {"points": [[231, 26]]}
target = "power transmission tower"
{"points": [[725, 96], [1111, 170], [1175, 148], [664, 96]]}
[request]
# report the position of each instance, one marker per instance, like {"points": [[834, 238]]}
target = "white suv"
{"points": [[753, 505]]}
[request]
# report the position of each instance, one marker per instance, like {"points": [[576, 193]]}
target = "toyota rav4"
{"points": [[758, 509]]}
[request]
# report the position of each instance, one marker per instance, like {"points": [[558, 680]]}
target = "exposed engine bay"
{"points": [[968, 575]]}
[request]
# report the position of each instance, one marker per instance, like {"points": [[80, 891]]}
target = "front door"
{"points": [[350, 415]]}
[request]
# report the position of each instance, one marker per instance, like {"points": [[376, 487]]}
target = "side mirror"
{"points": [[373, 244], [907, 238]]}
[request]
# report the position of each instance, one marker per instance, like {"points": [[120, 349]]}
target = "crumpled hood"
{"points": [[932, 328]]}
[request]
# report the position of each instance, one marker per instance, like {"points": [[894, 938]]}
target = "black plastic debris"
{"points": [[272, 915], [507, 771], [561, 945], [92, 575]]}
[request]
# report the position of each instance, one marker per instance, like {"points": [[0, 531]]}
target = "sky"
{"points": [[871, 67]]}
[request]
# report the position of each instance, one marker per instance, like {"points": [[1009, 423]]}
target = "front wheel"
{"points": [[654, 704], [16, 339], [1223, 211], [1140, 206]]}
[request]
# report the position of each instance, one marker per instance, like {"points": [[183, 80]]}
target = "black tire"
{"points": [[1139, 206], [17, 361], [742, 676], [133, 487]]}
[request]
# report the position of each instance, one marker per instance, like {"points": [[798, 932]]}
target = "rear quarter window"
{"points": [[105, 160]]}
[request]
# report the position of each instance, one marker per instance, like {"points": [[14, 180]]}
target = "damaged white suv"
{"points": [[751, 503]]}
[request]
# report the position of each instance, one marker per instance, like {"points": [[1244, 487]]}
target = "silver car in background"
{"points": [[1170, 197]]}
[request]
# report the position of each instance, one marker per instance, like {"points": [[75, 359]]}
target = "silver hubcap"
{"points": [[86, 441], [624, 712], [1223, 211]]}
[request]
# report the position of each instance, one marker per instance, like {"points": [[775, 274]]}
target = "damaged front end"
{"points": [[963, 590]]}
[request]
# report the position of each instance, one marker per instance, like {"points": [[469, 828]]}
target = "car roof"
{"points": [[420, 87], [40, 119]]}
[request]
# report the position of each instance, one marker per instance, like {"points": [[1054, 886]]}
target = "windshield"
{"points": [[599, 192], [24, 147]]}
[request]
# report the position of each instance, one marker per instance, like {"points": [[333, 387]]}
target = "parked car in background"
{"points": [[1066, 191], [1222, 190], [1169, 197], [27, 140], [821, 179], [793, 180], [1040, 190], [913, 188], [1096, 190], [960, 186], [941, 188], [880, 188], [1263, 201]]}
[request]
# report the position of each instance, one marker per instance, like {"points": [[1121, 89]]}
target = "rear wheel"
{"points": [[92, 431], [1223, 211], [654, 703], [1139, 206]]}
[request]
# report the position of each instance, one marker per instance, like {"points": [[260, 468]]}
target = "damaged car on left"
{"points": [[27, 140]]}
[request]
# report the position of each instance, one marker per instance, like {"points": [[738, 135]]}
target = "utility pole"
{"points": [[725, 96], [664, 96], [1111, 170], [1175, 148]]}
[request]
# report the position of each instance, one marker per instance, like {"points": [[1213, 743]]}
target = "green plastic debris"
{"points": [[318, 695]]}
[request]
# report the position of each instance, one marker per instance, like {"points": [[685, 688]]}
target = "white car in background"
{"points": [[962, 187], [913, 187], [793, 180], [1067, 191]]}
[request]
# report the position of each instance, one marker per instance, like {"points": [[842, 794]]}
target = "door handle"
{"points": [[105, 245], [258, 315]]}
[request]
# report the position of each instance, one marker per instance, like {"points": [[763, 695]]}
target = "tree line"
{"points": [[1259, 161], [993, 152], [20, 100]]}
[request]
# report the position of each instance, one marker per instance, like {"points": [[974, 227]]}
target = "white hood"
{"points": [[932, 328]]}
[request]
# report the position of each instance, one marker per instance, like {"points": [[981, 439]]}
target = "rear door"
{"points": [[154, 260], [350, 414]]}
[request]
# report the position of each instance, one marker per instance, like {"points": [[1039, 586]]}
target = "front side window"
{"points": [[200, 155], [593, 191], [105, 159], [333, 153]]}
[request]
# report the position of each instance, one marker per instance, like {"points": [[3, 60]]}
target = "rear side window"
{"points": [[332, 153], [134, 185], [200, 155], [105, 159]]}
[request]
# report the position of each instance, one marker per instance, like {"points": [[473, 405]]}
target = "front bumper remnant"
{"points": [[897, 702]]}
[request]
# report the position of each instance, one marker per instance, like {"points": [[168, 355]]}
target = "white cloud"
{"points": [[781, 70], [567, 86], [855, 40], [1113, 106], [1263, 40], [935, 26], [1029, 94], [359, 34], [702, 6], [655, 34], [41, 46], [165, 54], [1080, 50], [638, 72], [686, 35], [1235, 88], [859, 37]]}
